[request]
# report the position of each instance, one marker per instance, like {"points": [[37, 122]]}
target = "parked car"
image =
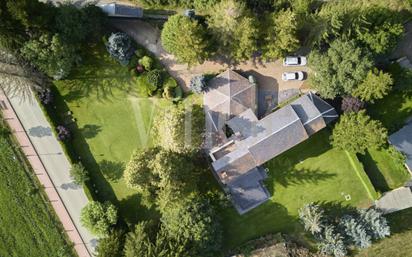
{"points": [[294, 61], [296, 75]]}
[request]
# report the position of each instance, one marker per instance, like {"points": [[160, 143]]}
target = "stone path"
{"points": [[51, 166]]}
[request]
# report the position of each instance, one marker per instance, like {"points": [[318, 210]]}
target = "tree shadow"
{"points": [[336, 209], [133, 210], [111, 170], [90, 130], [373, 172]]}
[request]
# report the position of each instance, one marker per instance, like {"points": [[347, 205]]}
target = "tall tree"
{"points": [[50, 55], [70, 23], [186, 39], [12, 31], [376, 85], [356, 132], [234, 29], [311, 216], [112, 245], [355, 232], [281, 38], [375, 223], [33, 14], [332, 243], [339, 70]]}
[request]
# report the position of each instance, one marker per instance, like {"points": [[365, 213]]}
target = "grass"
{"points": [[28, 223], [383, 170], [111, 122], [398, 244], [309, 172]]}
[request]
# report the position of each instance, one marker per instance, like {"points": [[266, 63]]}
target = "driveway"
{"points": [[268, 74]]}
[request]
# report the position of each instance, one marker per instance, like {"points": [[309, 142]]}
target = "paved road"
{"points": [[54, 160]]}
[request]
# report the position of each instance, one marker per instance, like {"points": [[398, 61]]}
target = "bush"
{"points": [[144, 86], [146, 62], [99, 217], [154, 77], [119, 45], [63, 133], [79, 174], [46, 96], [168, 93], [198, 84]]}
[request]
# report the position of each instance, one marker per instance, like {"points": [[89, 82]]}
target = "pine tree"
{"points": [[375, 223], [332, 243], [355, 233], [311, 216]]}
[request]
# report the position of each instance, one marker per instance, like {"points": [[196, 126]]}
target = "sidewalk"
{"points": [[45, 154]]}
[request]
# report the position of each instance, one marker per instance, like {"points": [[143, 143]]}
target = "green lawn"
{"points": [[28, 225], [111, 122], [399, 244], [384, 172], [309, 172]]}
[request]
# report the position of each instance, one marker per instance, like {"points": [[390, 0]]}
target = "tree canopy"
{"points": [[186, 39], [339, 70], [99, 217], [355, 132], [376, 85]]}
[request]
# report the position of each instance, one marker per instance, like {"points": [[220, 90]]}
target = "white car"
{"points": [[296, 75], [294, 61]]}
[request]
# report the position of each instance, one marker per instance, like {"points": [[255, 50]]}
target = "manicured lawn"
{"points": [[309, 172], [28, 225], [111, 122], [384, 172], [399, 244]]}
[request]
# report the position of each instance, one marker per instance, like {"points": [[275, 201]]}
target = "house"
{"points": [[121, 11], [402, 141], [239, 143]]}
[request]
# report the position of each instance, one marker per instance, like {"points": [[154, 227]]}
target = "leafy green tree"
{"points": [[154, 77], [33, 14], [376, 85], [281, 38], [146, 62], [179, 128], [72, 24], [186, 39], [311, 216], [332, 243], [95, 21], [234, 29], [194, 219], [112, 245], [375, 223], [51, 55], [79, 173], [137, 242], [355, 232], [355, 132], [12, 31], [339, 70], [99, 217]]}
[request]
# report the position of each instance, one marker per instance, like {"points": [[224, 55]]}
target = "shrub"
{"points": [[332, 243], [351, 104], [168, 93], [375, 223], [198, 84], [146, 62], [355, 232], [99, 217], [311, 216], [63, 133], [79, 174], [144, 86], [119, 45], [154, 77], [46, 96]]}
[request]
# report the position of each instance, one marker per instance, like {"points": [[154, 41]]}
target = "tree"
{"points": [[137, 242], [185, 38], [375, 223], [311, 216], [146, 62], [332, 243], [282, 35], [339, 70], [198, 84], [356, 131], [154, 77], [94, 22], [33, 14], [376, 85], [120, 47], [98, 217], [351, 104], [12, 31], [50, 55], [195, 220], [355, 232], [180, 128], [70, 23], [112, 245], [79, 174], [234, 29]]}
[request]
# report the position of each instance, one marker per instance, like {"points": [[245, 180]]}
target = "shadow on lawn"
{"points": [[373, 172], [90, 130], [113, 171]]}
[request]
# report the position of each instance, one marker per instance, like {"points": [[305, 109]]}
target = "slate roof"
{"points": [[236, 162], [118, 10], [402, 140]]}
